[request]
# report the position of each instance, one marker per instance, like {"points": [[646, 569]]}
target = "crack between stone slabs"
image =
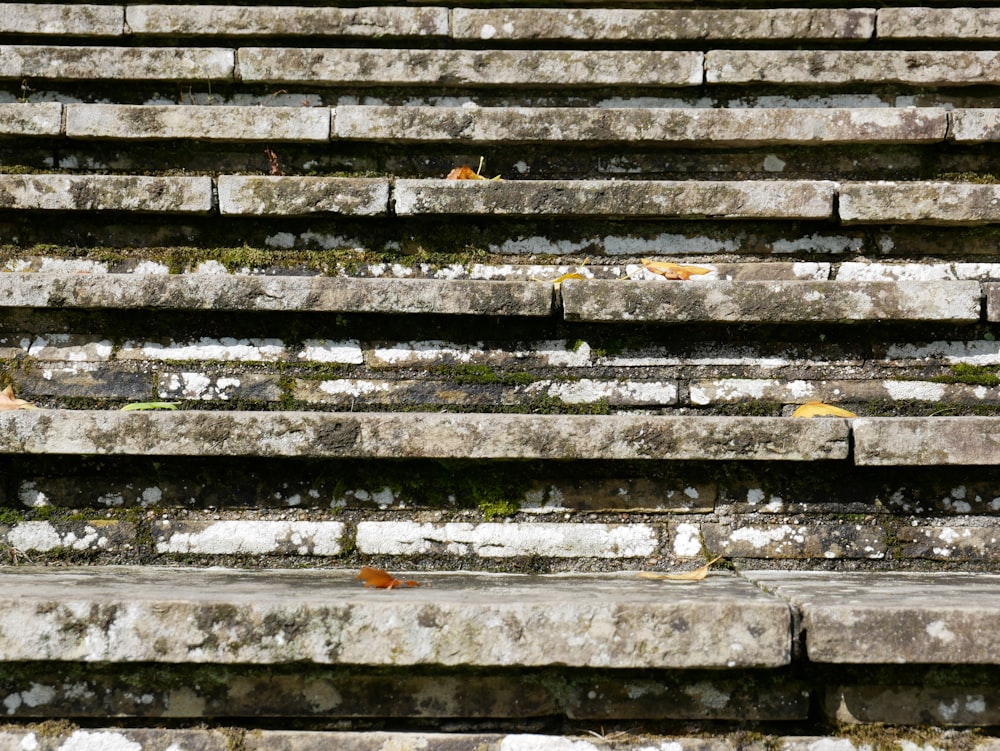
{"points": [[797, 635]]}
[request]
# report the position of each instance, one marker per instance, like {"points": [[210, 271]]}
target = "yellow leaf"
{"points": [[7, 400], [819, 409], [691, 576], [463, 173], [674, 270]]}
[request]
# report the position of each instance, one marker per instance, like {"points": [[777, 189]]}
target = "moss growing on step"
{"points": [[972, 375]]}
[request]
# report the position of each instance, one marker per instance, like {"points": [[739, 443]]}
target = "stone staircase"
{"points": [[241, 211]]}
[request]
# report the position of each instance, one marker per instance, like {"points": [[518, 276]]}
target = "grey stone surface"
{"points": [[892, 617], [926, 441], [299, 196], [117, 63], [992, 291], [814, 67], [27, 119], [737, 390], [939, 23], [720, 127], [214, 385], [431, 435], [975, 125], [111, 739], [203, 123], [250, 292], [806, 539], [950, 543], [919, 203], [270, 20], [77, 19], [617, 24], [93, 535], [249, 537], [963, 705], [394, 67], [770, 301], [163, 195], [690, 199], [326, 617]]}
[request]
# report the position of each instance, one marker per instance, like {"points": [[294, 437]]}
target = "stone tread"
{"points": [[926, 441]]}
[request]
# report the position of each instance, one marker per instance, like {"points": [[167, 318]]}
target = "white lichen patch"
{"points": [[587, 391], [940, 631], [687, 541], [103, 740], [355, 387], [915, 390], [227, 349], [246, 537], [34, 536], [347, 352]]}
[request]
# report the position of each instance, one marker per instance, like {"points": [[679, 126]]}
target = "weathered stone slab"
{"points": [[212, 386], [951, 543], [507, 540], [810, 539], [249, 537], [204, 123], [775, 301], [735, 390], [227, 348], [133, 739], [327, 617], [720, 127], [894, 703], [61, 20], [689, 199], [299, 196], [28, 119], [939, 23], [919, 203], [628, 25], [161, 195], [891, 617], [430, 435], [818, 67], [992, 291], [975, 125], [90, 536], [926, 441], [84, 380], [249, 20], [251, 292], [399, 67], [117, 63]]}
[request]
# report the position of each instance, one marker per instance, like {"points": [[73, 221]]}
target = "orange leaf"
{"points": [[7, 400], [379, 579], [819, 409], [463, 173], [674, 270], [690, 576]]}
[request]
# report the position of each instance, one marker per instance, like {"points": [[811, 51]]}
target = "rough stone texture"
{"points": [[403, 67], [975, 125], [992, 302], [325, 617], [718, 127], [815, 67], [628, 25], [807, 539], [61, 20], [854, 271], [770, 301], [950, 543], [771, 199], [211, 386], [507, 540], [249, 537], [204, 123], [919, 203], [111, 739], [220, 20], [227, 348], [88, 536], [300, 196], [164, 195], [926, 441], [970, 704], [939, 23], [430, 435], [739, 390], [26, 119], [249, 292], [891, 617], [116, 63]]}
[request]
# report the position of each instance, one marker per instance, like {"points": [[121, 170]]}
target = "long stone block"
{"points": [[892, 617], [773, 301], [420, 435], [61, 19], [618, 24], [27, 119], [942, 203], [160, 195], [975, 125], [797, 391], [290, 293], [941, 703], [818, 67], [249, 537], [694, 125], [404, 67], [980, 24], [257, 21], [204, 123], [689, 199], [992, 290], [927, 441], [257, 195], [116, 63], [145, 614]]}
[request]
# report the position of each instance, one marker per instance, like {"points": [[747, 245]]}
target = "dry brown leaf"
{"points": [[819, 409], [463, 173], [690, 576], [376, 577], [8, 401], [673, 270], [557, 282]]}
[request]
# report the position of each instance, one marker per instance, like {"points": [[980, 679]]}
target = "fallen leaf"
{"points": [[146, 406], [691, 576], [674, 270], [376, 577], [274, 167], [557, 282], [819, 409], [8, 401], [465, 173]]}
